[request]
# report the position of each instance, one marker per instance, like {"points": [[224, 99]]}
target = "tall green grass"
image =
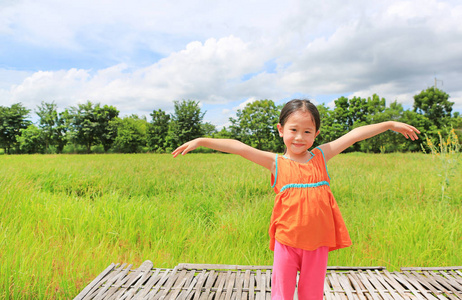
{"points": [[65, 218]]}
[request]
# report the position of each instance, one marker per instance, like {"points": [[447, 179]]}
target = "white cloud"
{"points": [[242, 105], [220, 52], [379, 52], [207, 72]]}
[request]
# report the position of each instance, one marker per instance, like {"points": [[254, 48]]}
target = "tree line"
{"points": [[92, 128]]}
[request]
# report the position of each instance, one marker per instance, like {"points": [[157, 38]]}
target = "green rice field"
{"points": [[65, 218]]}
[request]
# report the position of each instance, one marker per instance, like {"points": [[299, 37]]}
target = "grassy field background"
{"points": [[65, 218]]}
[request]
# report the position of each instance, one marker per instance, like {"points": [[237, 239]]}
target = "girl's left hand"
{"points": [[405, 129]]}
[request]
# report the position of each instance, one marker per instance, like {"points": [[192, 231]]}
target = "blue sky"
{"points": [[143, 55]]}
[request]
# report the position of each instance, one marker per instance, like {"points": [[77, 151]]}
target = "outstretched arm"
{"points": [[364, 132], [263, 158]]}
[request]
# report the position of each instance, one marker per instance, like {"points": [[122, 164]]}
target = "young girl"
{"points": [[306, 222]]}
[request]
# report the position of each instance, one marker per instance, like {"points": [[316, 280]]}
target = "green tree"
{"points": [[84, 125], [158, 131], [224, 133], [209, 129], [330, 128], [351, 113], [256, 125], [31, 140], [375, 104], [48, 115], [433, 110], [388, 141], [90, 124], [54, 126], [186, 123], [434, 104], [62, 130], [456, 123], [131, 134], [425, 126], [341, 115], [12, 120], [106, 130], [347, 112]]}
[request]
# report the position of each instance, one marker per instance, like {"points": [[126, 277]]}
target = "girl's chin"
{"points": [[299, 148]]}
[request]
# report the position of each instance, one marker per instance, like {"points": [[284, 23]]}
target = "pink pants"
{"points": [[312, 266]]}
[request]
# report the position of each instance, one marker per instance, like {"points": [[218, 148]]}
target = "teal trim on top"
{"points": [[325, 164], [304, 185], [275, 172], [312, 156]]}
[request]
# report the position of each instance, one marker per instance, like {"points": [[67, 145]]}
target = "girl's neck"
{"points": [[302, 158]]}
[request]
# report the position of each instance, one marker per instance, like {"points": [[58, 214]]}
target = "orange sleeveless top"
{"points": [[305, 213]]}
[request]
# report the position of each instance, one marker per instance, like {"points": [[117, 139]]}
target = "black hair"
{"points": [[300, 105]]}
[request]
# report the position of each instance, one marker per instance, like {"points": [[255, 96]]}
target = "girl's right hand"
{"points": [[186, 147]]}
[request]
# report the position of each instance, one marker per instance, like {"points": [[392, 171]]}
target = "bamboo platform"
{"points": [[192, 281]]}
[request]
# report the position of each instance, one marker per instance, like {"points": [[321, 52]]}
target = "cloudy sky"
{"points": [[141, 55]]}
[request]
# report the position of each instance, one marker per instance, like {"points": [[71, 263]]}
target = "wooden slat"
{"points": [[395, 284], [393, 294], [418, 284], [402, 279], [200, 282], [189, 293], [110, 280], [149, 284], [260, 293], [430, 283], [95, 282], [145, 272], [239, 282], [370, 289], [327, 290], [245, 294], [456, 276], [268, 283], [221, 267], [343, 268], [448, 288], [357, 285], [252, 287], [452, 281], [221, 283], [187, 284], [230, 285], [336, 286], [345, 283], [459, 273], [181, 280], [431, 268], [380, 288], [208, 284], [169, 284], [118, 285], [159, 284]]}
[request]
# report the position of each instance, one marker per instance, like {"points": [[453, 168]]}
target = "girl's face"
{"points": [[298, 134]]}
